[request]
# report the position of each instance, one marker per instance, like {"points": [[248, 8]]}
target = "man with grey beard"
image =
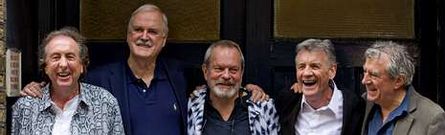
{"points": [[226, 108]]}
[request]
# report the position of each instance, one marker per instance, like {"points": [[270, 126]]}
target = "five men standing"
{"points": [[151, 91]]}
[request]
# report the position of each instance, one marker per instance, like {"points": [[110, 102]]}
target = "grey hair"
{"points": [[72, 33], [400, 62], [148, 8], [224, 44], [317, 44]]}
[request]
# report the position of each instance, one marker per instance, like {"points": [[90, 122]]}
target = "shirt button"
{"points": [[144, 90]]}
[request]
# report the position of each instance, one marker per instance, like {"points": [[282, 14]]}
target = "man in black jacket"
{"points": [[321, 108]]}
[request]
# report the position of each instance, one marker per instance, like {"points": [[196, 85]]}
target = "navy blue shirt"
{"points": [[154, 110], [376, 125], [237, 124]]}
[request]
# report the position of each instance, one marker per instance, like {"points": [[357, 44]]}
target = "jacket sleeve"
{"points": [[437, 126], [272, 116]]}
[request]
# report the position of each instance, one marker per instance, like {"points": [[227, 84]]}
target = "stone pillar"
{"points": [[2, 67]]}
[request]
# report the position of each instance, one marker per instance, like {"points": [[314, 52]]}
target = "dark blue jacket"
{"points": [[112, 78]]}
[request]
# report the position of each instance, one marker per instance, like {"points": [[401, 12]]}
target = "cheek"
{"points": [[49, 66], [133, 37], [236, 77], [298, 73], [214, 76]]}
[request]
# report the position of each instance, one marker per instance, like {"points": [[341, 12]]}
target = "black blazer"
{"points": [[288, 106], [112, 77]]}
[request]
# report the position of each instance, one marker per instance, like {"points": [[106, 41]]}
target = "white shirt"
{"points": [[63, 117], [326, 120]]}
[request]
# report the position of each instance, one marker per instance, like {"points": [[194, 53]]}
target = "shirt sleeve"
{"points": [[116, 122]]}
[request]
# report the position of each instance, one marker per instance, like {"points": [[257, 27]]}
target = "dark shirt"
{"points": [[237, 124], [153, 109], [376, 125]]}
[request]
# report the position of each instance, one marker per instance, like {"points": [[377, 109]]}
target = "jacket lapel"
{"points": [[368, 109], [403, 126], [118, 86]]}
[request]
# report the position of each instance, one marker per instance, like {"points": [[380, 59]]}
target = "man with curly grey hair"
{"points": [[68, 105], [394, 106]]}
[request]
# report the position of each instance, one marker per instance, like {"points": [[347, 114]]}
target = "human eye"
{"points": [[71, 57], [138, 29], [315, 66], [218, 69], [300, 66], [234, 70], [54, 57], [154, 32]]}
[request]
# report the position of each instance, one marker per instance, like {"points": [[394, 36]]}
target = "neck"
{"points": [[392, 103], [142, 68], [224, 106], [61, 95], [320, 100]]}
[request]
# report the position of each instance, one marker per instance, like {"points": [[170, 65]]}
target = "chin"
{"points": [[64, 84], [371, 98]]}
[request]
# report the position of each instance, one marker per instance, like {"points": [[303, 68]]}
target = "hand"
{"points": [[296, 87], [196, 89], [33, 89], [257, 93]]}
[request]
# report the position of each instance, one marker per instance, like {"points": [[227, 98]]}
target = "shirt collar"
{"points": [[46, 98], [401, 109], [335, 104], [71, 105], [159, 74]]}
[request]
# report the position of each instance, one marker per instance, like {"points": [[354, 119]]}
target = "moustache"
{"points": [[143, 42], [225, 82]]}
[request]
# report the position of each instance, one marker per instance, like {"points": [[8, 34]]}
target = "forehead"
{"points": [[225, 55], [62, 43], [377, 60], [144, 17], [377, 64], [315, 55]]}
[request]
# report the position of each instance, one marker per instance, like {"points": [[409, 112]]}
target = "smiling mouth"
{"points": [[63, 74], [371, 89], [144, 45], [309, 82]]}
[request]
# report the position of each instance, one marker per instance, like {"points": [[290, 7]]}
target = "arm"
{"points": [[116, 122], [437, 126], [296, 87], [21, 122], [15, 126], [272, 116], [258, 93], [33, 89]]}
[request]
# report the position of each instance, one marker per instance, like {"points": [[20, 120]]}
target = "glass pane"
{"points": [[344, 19], [189, 20]]}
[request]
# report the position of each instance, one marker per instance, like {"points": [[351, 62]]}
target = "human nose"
{"points": [[145, 35], [63, 62], [226, 74], [365, 79], [307, 72]]}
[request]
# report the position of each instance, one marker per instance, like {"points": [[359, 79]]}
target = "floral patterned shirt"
{"points": [[97, 114]]}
